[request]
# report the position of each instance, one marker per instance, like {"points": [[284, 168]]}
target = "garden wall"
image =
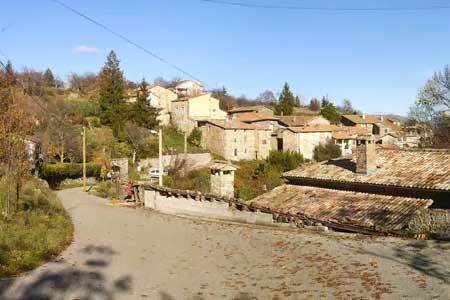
{"points": [[433, 222]]}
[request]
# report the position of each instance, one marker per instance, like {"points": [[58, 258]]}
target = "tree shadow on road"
{"points": [[64, 281], [415, 256]]}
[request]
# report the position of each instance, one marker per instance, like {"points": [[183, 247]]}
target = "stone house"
{"points": [[376, 191], [298, 121], [245, 111], [187, 111], [365, 121], [160, 97], [305, 139], [185, 88], [235, 140], [346, 137]]}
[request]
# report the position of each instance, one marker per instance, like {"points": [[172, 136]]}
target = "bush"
{"points": [[327, 151], [285, 160], [196, 180], [54, 174], [195, 138], [39, 229], [255, 178], [107, 189]]}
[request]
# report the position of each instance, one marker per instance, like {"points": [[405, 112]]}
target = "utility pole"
{"points": [[185, 143], [84, 158], [161, 168]]}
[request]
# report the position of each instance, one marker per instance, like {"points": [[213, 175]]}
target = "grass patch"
{"points": [[39, 230], [107, 190], [196, 180], [173, 139]]}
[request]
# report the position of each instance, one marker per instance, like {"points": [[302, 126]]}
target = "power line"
{"points": [[349, 8], [124, 38]]}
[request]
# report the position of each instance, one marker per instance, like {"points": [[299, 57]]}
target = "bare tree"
{"points": [[82, 83]]}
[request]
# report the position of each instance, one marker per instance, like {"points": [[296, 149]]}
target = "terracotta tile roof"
{"points": [[233, 124], [296, 121], [424, 169], [255, 116], [373, 212], [313, 128], [349, 132], [254, 108], [362, 119]]}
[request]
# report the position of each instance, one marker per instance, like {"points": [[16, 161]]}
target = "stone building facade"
{"points": [[235, 140], [305, 139]]}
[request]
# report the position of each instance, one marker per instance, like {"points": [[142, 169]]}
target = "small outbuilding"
{"points": [[222, 178]]}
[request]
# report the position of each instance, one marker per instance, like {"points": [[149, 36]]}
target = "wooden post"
{"points": [[185, 142], [84, 158], [161, 167]]}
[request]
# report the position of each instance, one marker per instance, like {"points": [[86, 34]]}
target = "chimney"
{"points": [[363, 116], [381, 118], [366, 157], [222, 178]]}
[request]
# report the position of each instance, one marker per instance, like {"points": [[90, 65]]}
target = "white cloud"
{"points": [[83, 49]]}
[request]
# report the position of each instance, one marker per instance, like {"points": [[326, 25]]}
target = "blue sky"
{"points": [[379, 60]]}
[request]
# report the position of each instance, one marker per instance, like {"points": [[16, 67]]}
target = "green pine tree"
{"points": [[331, 113], [49, 79], [297, 101], [142, 113], [113, 109], [286, 102]]}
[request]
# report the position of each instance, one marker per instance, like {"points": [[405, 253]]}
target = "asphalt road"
{"points": [[123, 253]]}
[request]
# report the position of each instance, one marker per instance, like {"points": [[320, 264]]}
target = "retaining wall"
{"points": [[434, 222], [197, 205]]}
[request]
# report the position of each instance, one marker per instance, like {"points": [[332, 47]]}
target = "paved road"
{"points": [[123, 253]]}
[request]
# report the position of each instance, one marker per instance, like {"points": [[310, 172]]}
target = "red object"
{"points": [[129, 189]]}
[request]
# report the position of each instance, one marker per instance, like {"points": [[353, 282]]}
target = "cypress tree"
{"points": [[142, 113], [113, 109], [286, 102], [49, 78]]}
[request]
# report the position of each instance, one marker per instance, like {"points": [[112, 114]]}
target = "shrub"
{"points": [[196, 180], [54, 174], [255, 178], [107, 189], [285, 160], [39, 229], [195, 138], [328, 151]]}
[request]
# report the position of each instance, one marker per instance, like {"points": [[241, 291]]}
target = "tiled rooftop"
{"points": [[313, 128], [348, 132], [363, 119], [372, 212], [234, 124], [425, 169], [296, 121]]}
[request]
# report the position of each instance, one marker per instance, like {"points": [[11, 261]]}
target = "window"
{"points": [[235, 151], [264, 142], [245, 150]]}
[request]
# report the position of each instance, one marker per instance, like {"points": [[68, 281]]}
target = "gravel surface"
{"points": [[125, 253]]}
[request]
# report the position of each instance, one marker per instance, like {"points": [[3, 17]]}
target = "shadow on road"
{"points": [[414, 255], [64, 281]]}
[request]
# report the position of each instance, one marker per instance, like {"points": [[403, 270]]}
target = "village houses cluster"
{"points": [[248, 133]]}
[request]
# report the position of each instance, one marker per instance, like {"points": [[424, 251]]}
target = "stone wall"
{"points": [[366, 157], [122, 163], [222, 183], [185, 203], [433, 222], [213, 139]]}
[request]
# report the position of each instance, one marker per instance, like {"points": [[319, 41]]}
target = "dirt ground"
{"points": [[123, 253]]}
